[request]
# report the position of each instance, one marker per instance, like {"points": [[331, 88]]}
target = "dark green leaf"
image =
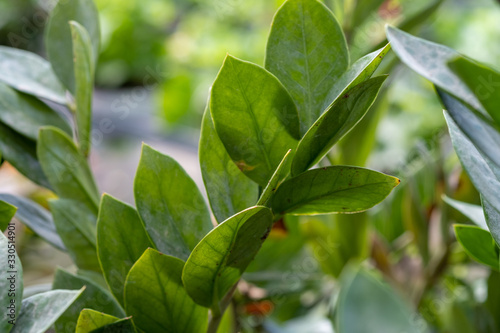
{"points": [[93, 297], [478, 244], [492, 219], [94, 321], [220, 259], [26, 114], [478, 168], [36, 218], [30, 73], [431, 61], [21, 153], [229, 190], [254, 117], [481, 80], [172, 208], [307, 51], [66, 169], [7, 212], [281, 173], [39, 312], [337, 189], [336, 122], [484, 136], [156, 299], [473, 212], [58, 40], [75, 223], [367, 305], [11, 283], [84, 66], [121, 241]]}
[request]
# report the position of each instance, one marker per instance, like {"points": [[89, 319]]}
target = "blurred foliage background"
{"points": [[172, 49]]}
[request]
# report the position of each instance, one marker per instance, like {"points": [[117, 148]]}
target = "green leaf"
{"points": [[84, 67], [156, 299], [336, 122], [492, 215], [307, 51], [172, 208], [36, 218], [483, 135], [21, 153], [367, 305], [7, 212], [30, 73], [254, 117], [66, 169], [473, 212], [58, 38], [121, 241], [281, 173], [359, 72], [478, 244], [39, 312], [93, 297], [363, 10], [337, 189], [220, 259], [229, 190], [12, 276], [431, 61], [26, 114], [478, 168], [481, 80], [75, 223], [94, 321]]}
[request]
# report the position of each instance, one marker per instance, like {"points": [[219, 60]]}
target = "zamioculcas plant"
{"points": [[163, 266]]}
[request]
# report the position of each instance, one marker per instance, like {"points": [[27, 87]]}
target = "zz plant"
{"points": [[163, 266]]}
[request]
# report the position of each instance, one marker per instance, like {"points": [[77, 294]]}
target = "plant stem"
{"points": [[217, 311]]}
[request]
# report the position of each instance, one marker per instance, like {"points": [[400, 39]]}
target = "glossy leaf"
{"points": [[481, 80], [381, 309], [93, 297], [39, 312], [12, 274], [36, 218], [492, 215], [7, 212], [220, 259], [26, 114], [254, 117], [84, 67], [359, 72], [156, 299], [337, 189], [58, 39], [431, 61], [66, 169], [172, 208], [21, 153], [75, 223], [478, 244], [473, 212], [336, 122], [480, 172], [482, 134], [94, 321], [121, 241], [307, 51], [229, 190], [281, 173], [30, 73]]}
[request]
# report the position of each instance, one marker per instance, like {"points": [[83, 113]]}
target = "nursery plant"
{"points": [[165, 265]]}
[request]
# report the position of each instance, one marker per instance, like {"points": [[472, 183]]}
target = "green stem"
{"points": [[217, 311]]}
